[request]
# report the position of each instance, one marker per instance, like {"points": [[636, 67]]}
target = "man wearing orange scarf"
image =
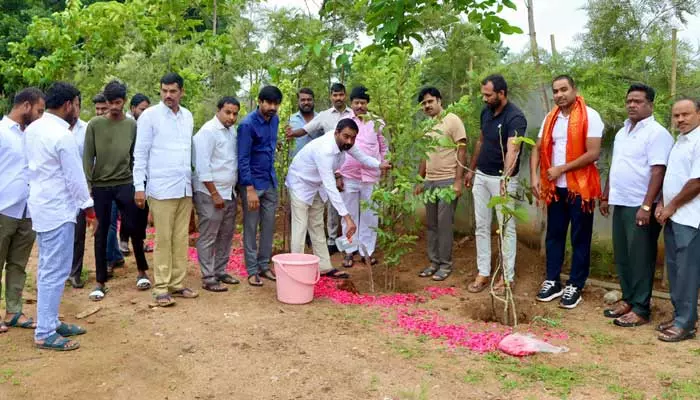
{"points": [[568, 183]]}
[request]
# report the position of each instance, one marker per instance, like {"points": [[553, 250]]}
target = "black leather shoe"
{"points": [[75, 282]]}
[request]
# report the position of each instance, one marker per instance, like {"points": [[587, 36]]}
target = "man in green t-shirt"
{"points": [[108, 162]]}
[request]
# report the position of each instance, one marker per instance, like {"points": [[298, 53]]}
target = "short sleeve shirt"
{"points": [[636, 150], [496, 130], [442, 162], [684, 165]]}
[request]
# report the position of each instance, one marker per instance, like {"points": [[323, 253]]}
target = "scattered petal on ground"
{"points": [[480, 337]]}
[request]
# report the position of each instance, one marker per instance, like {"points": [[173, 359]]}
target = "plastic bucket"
{"points": [[296, 276]]}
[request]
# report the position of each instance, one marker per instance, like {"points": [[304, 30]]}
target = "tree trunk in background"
{"points": [[554, 46], [674, 67], [545, 101], [214, 18]]}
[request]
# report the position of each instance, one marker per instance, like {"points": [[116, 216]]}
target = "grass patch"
{"points": [[548, 321], [625, 393], [682, 389], [513, 374], [695, 352], [421, 394], [472, 376], [405, 350], [602, 339]]}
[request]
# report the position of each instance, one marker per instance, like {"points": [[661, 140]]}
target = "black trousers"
{"points": [[133, 218], [78, 246]]}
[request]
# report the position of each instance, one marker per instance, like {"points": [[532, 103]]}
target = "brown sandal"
{"points": [[165, 300], [665, 325], [479, 284], [618, 309], [675, 334], [630, 320]]}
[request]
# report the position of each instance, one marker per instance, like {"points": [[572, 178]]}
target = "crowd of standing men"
{"points": [[61, 175]]}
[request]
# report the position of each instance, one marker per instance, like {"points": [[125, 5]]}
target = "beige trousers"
{"points": [[310, 217], [172, 220]]}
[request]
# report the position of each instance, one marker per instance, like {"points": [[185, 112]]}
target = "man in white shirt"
{"points": [[680, 211], [312, 181], [324, 122], [216, 171], [16, 234], [640, 154], [163, 153], [568, 182], [57, 190]]}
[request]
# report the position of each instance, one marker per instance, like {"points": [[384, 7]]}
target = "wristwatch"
{"points": [[646, 208]]}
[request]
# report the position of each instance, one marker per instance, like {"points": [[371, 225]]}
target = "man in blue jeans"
{"points": [[257, 142], [57, 190]]}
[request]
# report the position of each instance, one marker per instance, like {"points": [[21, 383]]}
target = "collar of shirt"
{"points": [[10, 124], [346, 111], [53, 118], [218, 125], [331, 143], [300, 117], [639, 125], [169, 111], [691, 136]]}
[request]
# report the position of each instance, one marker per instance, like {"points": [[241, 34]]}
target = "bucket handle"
{"points": [[303, 282]]}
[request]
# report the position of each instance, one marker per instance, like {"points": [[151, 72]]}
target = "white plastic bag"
{"points": [[519, 345]]}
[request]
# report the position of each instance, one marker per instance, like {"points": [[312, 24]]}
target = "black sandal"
{"points": [[369, 260], [228, 279], [441, 275], [348, 261], [214, 287], [254, 280], [335, 274], [429, 271]]}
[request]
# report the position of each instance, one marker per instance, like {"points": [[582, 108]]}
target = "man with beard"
{"points": [[442, 169], [357, 181], [311, 183], [16, 234], [680, 211], [216, 171], [163, 152], [107, 160], [325, 122], [495, 155], [568, 183], [257, 142], [57, 190], [138, 104], [305, 115]]}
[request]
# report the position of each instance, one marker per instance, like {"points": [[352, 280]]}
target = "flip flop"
{"points": [[14, 322], [369, 260], [335, 274], [143, 283], [477, 287], [254, 280], [57, 342], [348, 261], [3, 327], [185, 293], [98, 294]]}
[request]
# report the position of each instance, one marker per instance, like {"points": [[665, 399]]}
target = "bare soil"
{"points": [[245, 345]]}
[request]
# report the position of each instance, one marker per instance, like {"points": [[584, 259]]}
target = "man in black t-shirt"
{"points": [[495, 155]]}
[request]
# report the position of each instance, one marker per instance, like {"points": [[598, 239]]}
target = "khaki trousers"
{"points": [[172, 220], [310, 217]]}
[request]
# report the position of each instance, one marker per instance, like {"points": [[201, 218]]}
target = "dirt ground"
{"points": [[244, 344]]}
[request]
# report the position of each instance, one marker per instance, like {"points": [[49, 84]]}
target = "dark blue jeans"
{"points": [[113, 252], [559, 214]]}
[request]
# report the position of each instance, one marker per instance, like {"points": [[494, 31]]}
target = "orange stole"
{"points": [[584, 182]]}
